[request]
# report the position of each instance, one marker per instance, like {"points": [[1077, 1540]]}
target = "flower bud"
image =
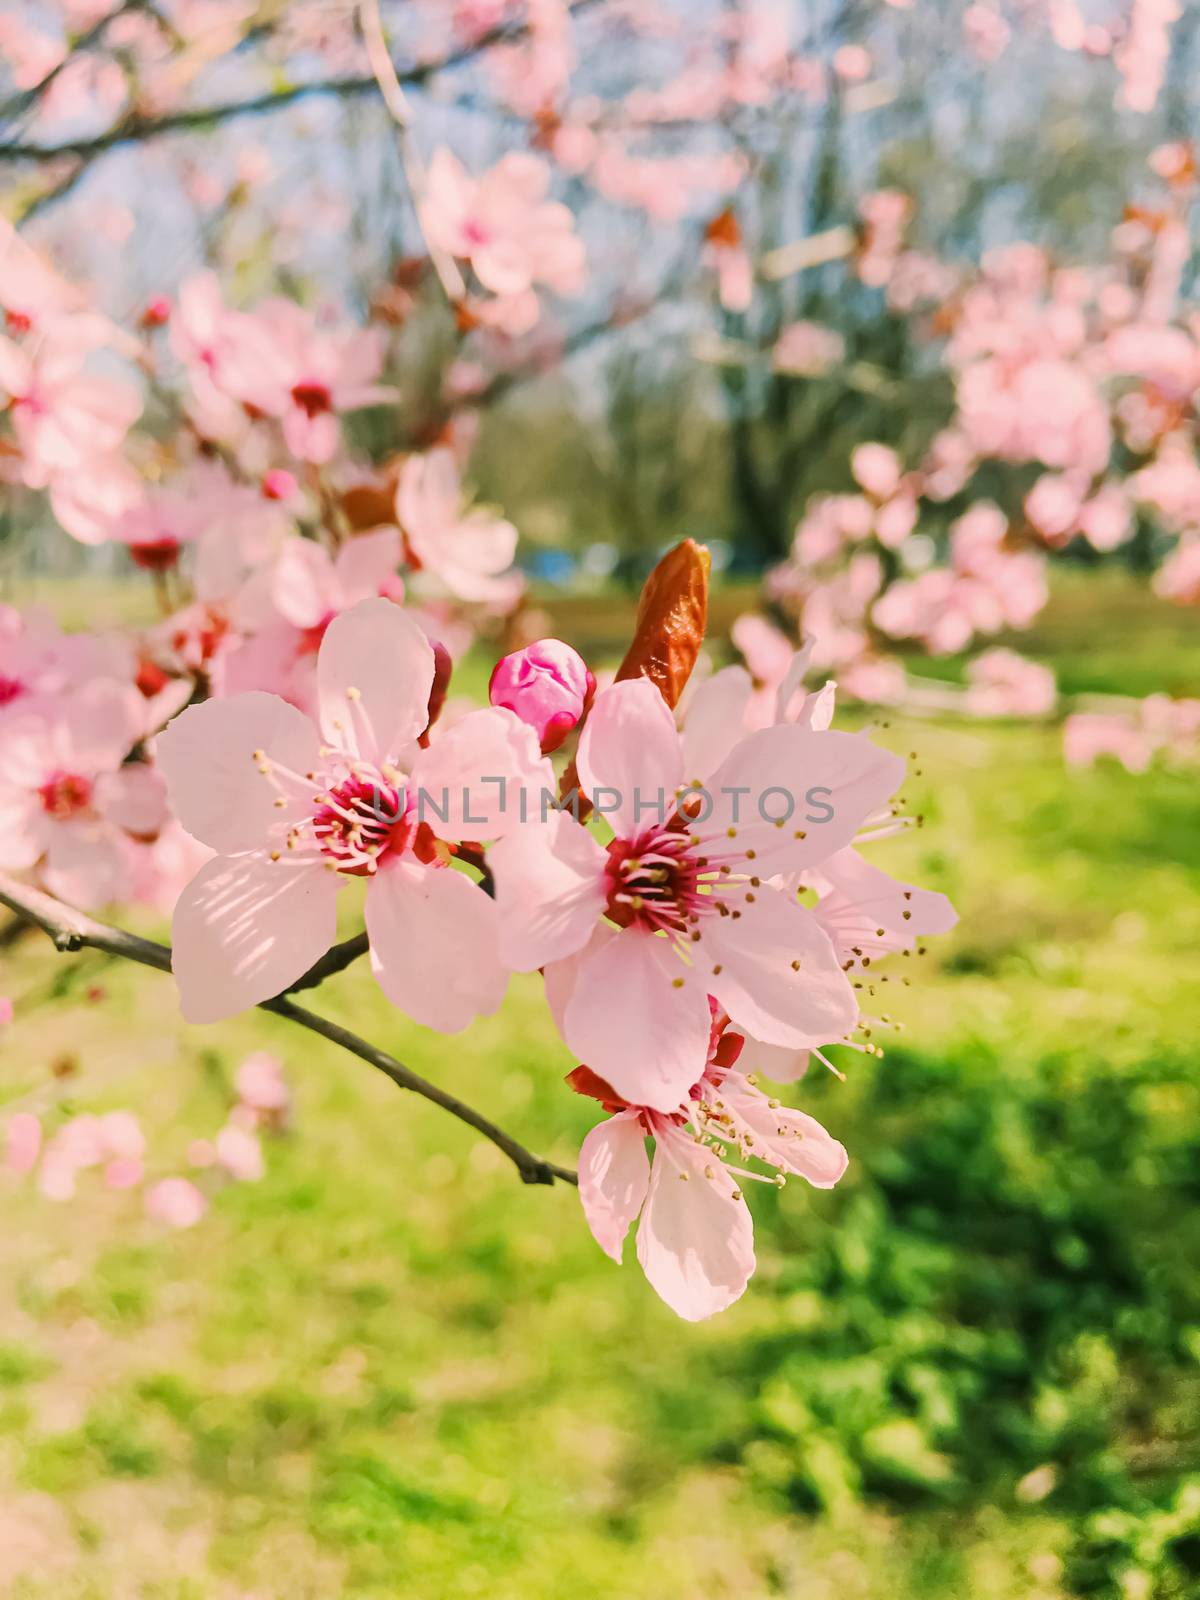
{"points": [[547, 685], [671, 618]]}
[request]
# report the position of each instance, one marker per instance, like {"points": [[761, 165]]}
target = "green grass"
{"points": [[390, 1370]]}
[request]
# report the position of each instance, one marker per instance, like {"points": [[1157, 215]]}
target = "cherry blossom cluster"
{"points": [[113, 1147], [1073, 402]]}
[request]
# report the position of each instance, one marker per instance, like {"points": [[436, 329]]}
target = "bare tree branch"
{"points": [[70, 930], [135, 128]]}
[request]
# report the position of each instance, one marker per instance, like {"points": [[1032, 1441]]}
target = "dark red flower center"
{"points": [[654, 881], [155, 555], [312, 398], [10, 689]]}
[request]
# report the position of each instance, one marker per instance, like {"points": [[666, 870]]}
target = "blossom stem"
{"points": [[70, 931]]}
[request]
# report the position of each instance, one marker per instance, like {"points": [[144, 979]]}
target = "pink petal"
{"points": [[550, 890], [695, 1241], [245, 928], [302, 584], [483, 778], [637, 1019], [629, 755], [207, 757], [779, 1062], [758, 983], [783, 1137], [614, 1173], [84, 863], [559, 976], [366, 562], [715, 721], [103, 721], [434, 948], [830, 781], [868, 911], [378, 650], [20, 828], [24, 1134], [176, 1202], [133, 798]]}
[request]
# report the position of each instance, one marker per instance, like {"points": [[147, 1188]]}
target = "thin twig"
{"points": [[336, 959], [415, 174], [70, 930]]}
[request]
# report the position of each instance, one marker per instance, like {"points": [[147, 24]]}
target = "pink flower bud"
{"points": [[279, 485], [156, 312], [547, 685]]}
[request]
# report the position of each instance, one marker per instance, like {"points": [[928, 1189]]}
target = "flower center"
{"points": [[312, 398], [10, 689], [65, 795], [655, 881], [357, 821], [155, 555]]}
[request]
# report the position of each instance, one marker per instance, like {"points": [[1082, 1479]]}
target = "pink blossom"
{"points": [[503, 224], [24, 1136], [309, 587], [63, 415], [1002, 683], [175, 1202], [1088, 735], [64, 793], [985, 32], [1179, 577], [876, 469], [1106, 520], [695, 1238], [239, 1151], [807, 350], [634, 929], [548, 685], [261, 1085], [309, 373], [293, 812], [470, 549]]}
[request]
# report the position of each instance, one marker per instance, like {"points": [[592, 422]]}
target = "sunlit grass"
{"points": [[391, 1370]]}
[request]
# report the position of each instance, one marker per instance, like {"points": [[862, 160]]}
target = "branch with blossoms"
{"points": [[70, 931], [689, 886]]}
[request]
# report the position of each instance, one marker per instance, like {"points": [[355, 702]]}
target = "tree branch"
{"points": [[135, 128], [70, 930]]}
